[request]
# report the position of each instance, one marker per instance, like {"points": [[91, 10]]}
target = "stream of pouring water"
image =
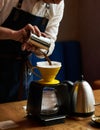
{"points": [[47, 58]]}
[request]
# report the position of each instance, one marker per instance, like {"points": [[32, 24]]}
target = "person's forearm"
{"points": [[6, 33], [21, 35]]}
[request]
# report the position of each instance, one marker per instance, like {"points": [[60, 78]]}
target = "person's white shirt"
{"points": [[37, 7]]}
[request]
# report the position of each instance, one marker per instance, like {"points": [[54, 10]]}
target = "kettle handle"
{"points": [[68, 82], [64, 91]]}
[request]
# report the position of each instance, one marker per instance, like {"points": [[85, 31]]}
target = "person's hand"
{"points": [[27, 45], [23, 34]]}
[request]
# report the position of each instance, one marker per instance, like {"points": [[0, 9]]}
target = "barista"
{"points": [[17, 19]]}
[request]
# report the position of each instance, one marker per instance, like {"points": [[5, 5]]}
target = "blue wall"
{"points": [[69, 53]]}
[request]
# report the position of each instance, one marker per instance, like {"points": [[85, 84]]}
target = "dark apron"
{"points": [[12, 59]]}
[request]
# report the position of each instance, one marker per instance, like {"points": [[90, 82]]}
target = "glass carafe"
{"points": [[49, 101]]}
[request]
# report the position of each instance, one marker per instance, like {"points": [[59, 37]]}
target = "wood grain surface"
{"points": [[15, 112]]}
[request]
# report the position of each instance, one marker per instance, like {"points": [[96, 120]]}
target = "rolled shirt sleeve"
{"points": [[54, 23], [55, 15]]}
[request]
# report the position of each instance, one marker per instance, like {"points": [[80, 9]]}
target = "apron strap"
{"points": [[19, 4], [21, 87]]}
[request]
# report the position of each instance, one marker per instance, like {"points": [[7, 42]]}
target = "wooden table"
{"points": [[14, 112]]}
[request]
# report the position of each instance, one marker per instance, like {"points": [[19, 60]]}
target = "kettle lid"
{"points": [[81, 81]]}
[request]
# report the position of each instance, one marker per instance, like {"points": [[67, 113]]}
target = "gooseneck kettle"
{"points": [[82, 99]]}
